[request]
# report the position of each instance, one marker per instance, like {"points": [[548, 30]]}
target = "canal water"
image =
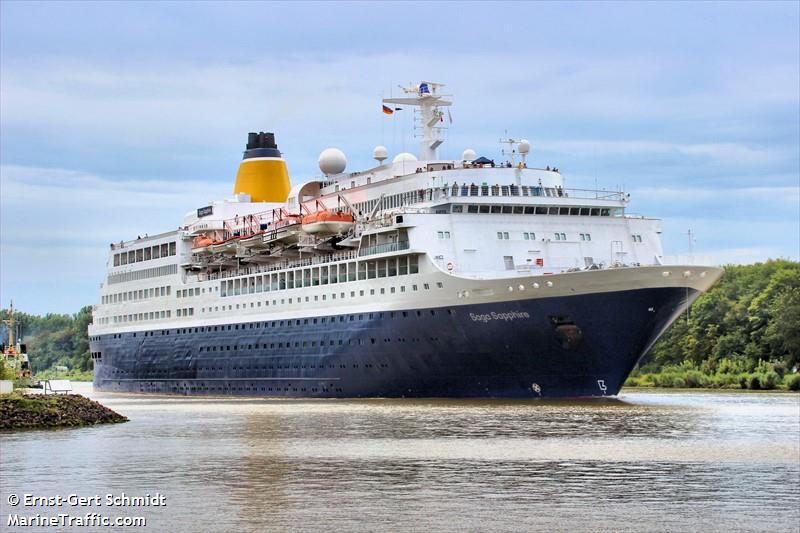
{"points": [[648, 461]]}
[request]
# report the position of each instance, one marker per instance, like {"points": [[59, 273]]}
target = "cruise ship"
{"points": [[419, 277]]}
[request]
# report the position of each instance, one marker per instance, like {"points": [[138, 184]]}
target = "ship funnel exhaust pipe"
{"points": [[262, 172]]}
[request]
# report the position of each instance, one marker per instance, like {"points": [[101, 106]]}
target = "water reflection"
{"points": [[643, 462]]}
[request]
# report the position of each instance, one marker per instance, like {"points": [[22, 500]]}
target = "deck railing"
{"points": [[383, 248], [281, 265]]}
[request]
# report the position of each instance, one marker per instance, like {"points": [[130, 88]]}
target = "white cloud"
{"points": [[311, 99], [727, 153], [745, 255], [752, 196]]}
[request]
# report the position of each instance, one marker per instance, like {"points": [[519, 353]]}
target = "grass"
{"points": [[24, 411], [73, 375], [726, 375]]}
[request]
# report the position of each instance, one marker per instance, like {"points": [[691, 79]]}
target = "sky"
{"points": [[118, 118]]}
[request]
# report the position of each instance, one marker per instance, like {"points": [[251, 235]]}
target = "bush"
{"points": [[632, 382], [677, 382], [792, 381], [6, 372], [754, 382], [695, 379], [725, 381], [769, 380]]}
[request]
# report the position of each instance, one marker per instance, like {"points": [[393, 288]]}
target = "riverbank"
{"points": [[32, 411], [725, 376]]}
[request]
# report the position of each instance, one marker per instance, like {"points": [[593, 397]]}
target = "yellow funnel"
{"points": [[262, 173]]}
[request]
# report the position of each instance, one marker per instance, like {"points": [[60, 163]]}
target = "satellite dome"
{"points": [[404, 156], [380, 153], [469, 155], [524, 146], [332, 161]]}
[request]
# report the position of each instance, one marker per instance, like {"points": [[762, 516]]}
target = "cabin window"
{"points": [[497, 209], [413, 264], [470, 209], [371, 270], [403, 262], [458, 209], [508, 261]]}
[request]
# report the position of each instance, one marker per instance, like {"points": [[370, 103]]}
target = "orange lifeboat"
{"points": [[328, 222], [199, 244]]}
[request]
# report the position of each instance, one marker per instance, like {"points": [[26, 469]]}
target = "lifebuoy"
{"points": [[450, 267]]}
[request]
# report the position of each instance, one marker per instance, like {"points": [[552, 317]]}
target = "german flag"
{"points": [[388, 110]]}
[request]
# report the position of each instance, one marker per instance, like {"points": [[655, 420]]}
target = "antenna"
{"points": [[515, 146], [427, 96]]}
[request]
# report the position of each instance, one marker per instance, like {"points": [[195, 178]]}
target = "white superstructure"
{"points": [[411, 231]]}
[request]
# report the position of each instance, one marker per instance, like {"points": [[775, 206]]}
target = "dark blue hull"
{"points": [[571, 346]]}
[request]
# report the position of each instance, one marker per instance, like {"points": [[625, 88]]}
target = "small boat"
{"points": [[200, 245], [256, 240], [228, 246], [286, 230], [330, 222]]}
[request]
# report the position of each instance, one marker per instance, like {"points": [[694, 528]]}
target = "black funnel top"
{"points": [[261, 144]]}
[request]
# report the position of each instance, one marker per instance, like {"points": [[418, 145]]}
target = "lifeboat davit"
{"points": [[286, 230], [328, 222]]}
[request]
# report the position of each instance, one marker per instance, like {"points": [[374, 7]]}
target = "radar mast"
{"points": [[429, 99]]}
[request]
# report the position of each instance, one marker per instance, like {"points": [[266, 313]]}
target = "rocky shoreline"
{"points": [[32, 411]]}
